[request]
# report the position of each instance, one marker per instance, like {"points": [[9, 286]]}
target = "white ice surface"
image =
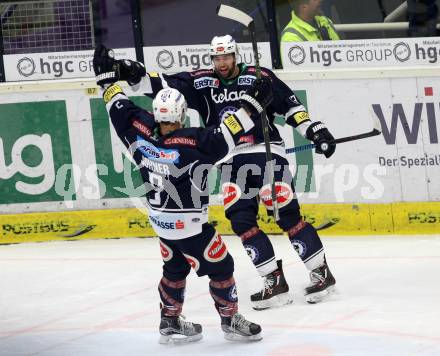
{"points": [[100, 298]]}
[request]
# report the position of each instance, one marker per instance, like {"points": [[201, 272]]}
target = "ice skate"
{"points": [[322, 284], [175, 330], [275, 291], [237, 328]]}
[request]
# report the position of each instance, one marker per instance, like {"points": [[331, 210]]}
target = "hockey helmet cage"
{"points": [[223, 45], [169, 105]]}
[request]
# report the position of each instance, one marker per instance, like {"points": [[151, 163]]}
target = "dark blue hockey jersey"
{"points": [[215, 98], [175, 166]]}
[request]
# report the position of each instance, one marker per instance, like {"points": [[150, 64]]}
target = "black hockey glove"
{"points": [[322, 138], [105, 66], [130, 71], [258, 96], [108, 70]]}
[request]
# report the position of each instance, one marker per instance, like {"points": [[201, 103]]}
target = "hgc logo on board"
{"points": [[410, 120]]}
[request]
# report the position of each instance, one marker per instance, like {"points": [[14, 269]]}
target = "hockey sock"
{"points": [[306, 242], [172, 295], [225, 297], [260, 250]]}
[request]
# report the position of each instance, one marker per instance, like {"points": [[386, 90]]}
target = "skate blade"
{"points": [[274, 302], [243, 338], [177, 339], [320, 296]]}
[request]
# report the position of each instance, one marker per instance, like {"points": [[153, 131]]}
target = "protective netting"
{"points": [[46, 26]]}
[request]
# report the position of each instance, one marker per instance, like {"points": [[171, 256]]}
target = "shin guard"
{"points": [[260, 250], [172, 294], [306, 242], [225, 297]]}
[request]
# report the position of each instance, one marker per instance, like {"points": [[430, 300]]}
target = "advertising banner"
{"points": [[172, 59], [328, 219], [55, 65], [34, 145], [58, 152], [401, 164], [400, 52]]}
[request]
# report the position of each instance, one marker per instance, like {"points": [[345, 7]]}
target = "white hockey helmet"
{"points": [[169, 105], [223, 45]]}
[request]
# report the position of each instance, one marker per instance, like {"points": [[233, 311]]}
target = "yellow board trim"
{"points": [[329, 219]]}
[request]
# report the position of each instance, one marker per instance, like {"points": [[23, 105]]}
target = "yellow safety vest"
{"points": [[297, 30]]}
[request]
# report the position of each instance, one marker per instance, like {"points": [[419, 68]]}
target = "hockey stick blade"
{"points": [[311, 146], [234, 14]]}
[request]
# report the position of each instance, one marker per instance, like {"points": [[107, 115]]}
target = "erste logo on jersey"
{"points": [[226, 96], [206, 82], [194, 262], [167, 224], [157, 154], [231, 194], [246, 79], [216, 249], [165, 251], [284, 195]]}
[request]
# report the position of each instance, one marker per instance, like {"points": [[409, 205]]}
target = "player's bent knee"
{"points": [[222, 270], [176, 273], [287, 221], [242, 222]]}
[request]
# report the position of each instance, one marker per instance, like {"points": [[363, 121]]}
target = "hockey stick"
{"points": [[376, 131], [234, 14]]}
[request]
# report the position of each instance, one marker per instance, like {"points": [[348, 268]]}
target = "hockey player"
{"points": [[215, 94], [172, 162]]}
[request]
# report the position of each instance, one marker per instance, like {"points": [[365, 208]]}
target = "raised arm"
{"points": [[128, 119]]}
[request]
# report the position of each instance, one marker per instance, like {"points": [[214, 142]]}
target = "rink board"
{"points": [[59, 152], [328, 219], [58, 148]]}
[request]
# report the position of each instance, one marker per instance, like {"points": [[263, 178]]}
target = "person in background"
{"points": [[422, 17], [307, 23]]}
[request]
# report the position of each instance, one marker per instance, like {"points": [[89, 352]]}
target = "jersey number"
{"points": [[157, 183]]}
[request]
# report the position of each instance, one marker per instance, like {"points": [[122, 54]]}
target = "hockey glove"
{"points": [[322, 138], [130, 71], [257, 97], [105, 66], [108, 70]]}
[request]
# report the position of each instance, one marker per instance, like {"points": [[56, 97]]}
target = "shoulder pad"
{"points": [[264, 71]]}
